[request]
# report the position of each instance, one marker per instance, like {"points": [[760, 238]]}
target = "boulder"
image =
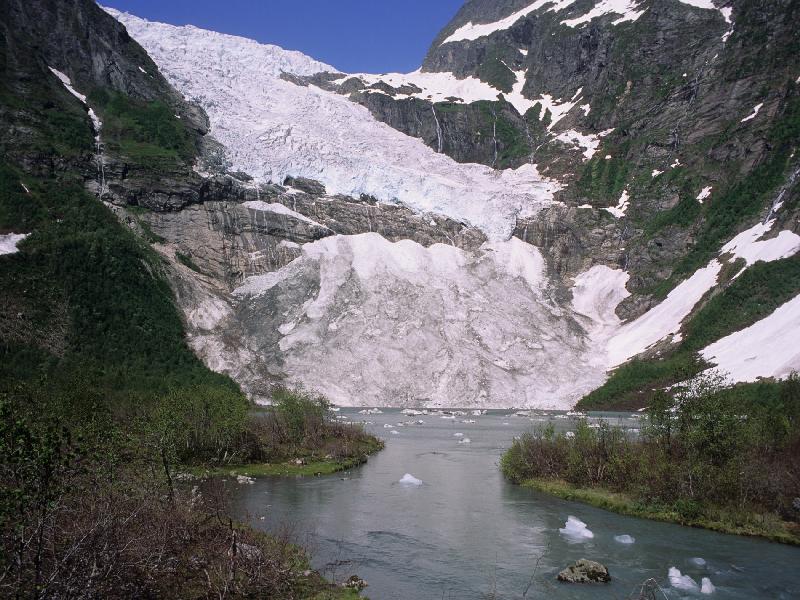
{"points": [[585, 571]]}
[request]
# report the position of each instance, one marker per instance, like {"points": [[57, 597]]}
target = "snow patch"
{"points": [[663, 319], [749, 246], [473, 31], [704, 194], [622, 206], [96, 122], [753, 114], [279, 209], [625, 8], [9, 241], [655, 173], [768, 348], [588, 142]]}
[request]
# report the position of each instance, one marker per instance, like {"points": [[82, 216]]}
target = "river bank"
{"points": [[751, 524]]}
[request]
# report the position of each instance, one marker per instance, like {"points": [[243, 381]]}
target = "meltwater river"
{"points": [[465, 533]]}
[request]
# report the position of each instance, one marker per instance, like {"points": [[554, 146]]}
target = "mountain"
{"points": [[569, 200]]}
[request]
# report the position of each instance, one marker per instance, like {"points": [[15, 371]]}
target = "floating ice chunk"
{"points": [[465, 440], [681, 582], [698, 562], [387, 426], [478, 412], [624, 539], [409, 479], [458, 434], [468, 421], [9, 241], [706, 587], [575, 530], [394, 432], [371, 411]]}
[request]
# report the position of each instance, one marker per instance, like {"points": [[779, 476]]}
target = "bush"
{"points": [[701, 447]]}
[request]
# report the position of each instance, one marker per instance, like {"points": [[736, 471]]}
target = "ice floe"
{"points": [[576, 530], [624, 539], [409, 479], [680, 581]]}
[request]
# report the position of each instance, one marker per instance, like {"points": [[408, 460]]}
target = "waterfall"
{"points": [[438, 128], [778, 201]]}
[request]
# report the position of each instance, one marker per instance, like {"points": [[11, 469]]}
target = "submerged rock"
{"points": [[585, 571], [355, 583]]}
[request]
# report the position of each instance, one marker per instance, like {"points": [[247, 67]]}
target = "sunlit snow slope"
{"points": [[273, 128]]}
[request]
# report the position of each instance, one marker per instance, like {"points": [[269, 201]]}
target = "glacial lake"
{"points": [[465, 533]]}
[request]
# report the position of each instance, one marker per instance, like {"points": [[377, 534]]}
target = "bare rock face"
{"points": [[585, 571]]}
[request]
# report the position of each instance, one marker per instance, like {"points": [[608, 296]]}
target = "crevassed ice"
{"points": [[398, 324], [273, 129]]}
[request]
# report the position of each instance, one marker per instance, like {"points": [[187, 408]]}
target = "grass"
{"points": [[287, 469], [767, 526]]}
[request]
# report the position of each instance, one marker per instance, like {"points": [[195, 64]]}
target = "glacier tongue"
{"points": [[272, 129], [393, 324]]}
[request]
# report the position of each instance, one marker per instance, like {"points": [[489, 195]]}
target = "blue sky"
{"points": [[373, 36]]}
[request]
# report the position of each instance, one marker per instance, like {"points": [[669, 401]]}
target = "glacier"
{"points": [[272, 129], [371, 321]]}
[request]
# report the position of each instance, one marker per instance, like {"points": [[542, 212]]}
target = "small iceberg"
{"points": [[624, 539], [387, 426], [394, 432], [371, 411], [470, 421], [477, 412], [410, 412], [409, 479], [575, 529], [465, 441], [680, 581], [698, 562], [706, 587], [458, 435]]}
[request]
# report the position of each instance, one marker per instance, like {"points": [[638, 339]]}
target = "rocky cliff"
{"points": [[475, 233]]}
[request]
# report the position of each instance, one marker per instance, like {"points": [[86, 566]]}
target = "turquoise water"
{"points": [[465, 533]]}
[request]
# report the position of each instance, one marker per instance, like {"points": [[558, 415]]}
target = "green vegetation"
{"points": [[512, 142], [495, 72], [746, 199], [603, 179], [103, 403], [748, 298], [86, 296], [87, 502], [736, 523], [725, 459], [148, 133]]}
